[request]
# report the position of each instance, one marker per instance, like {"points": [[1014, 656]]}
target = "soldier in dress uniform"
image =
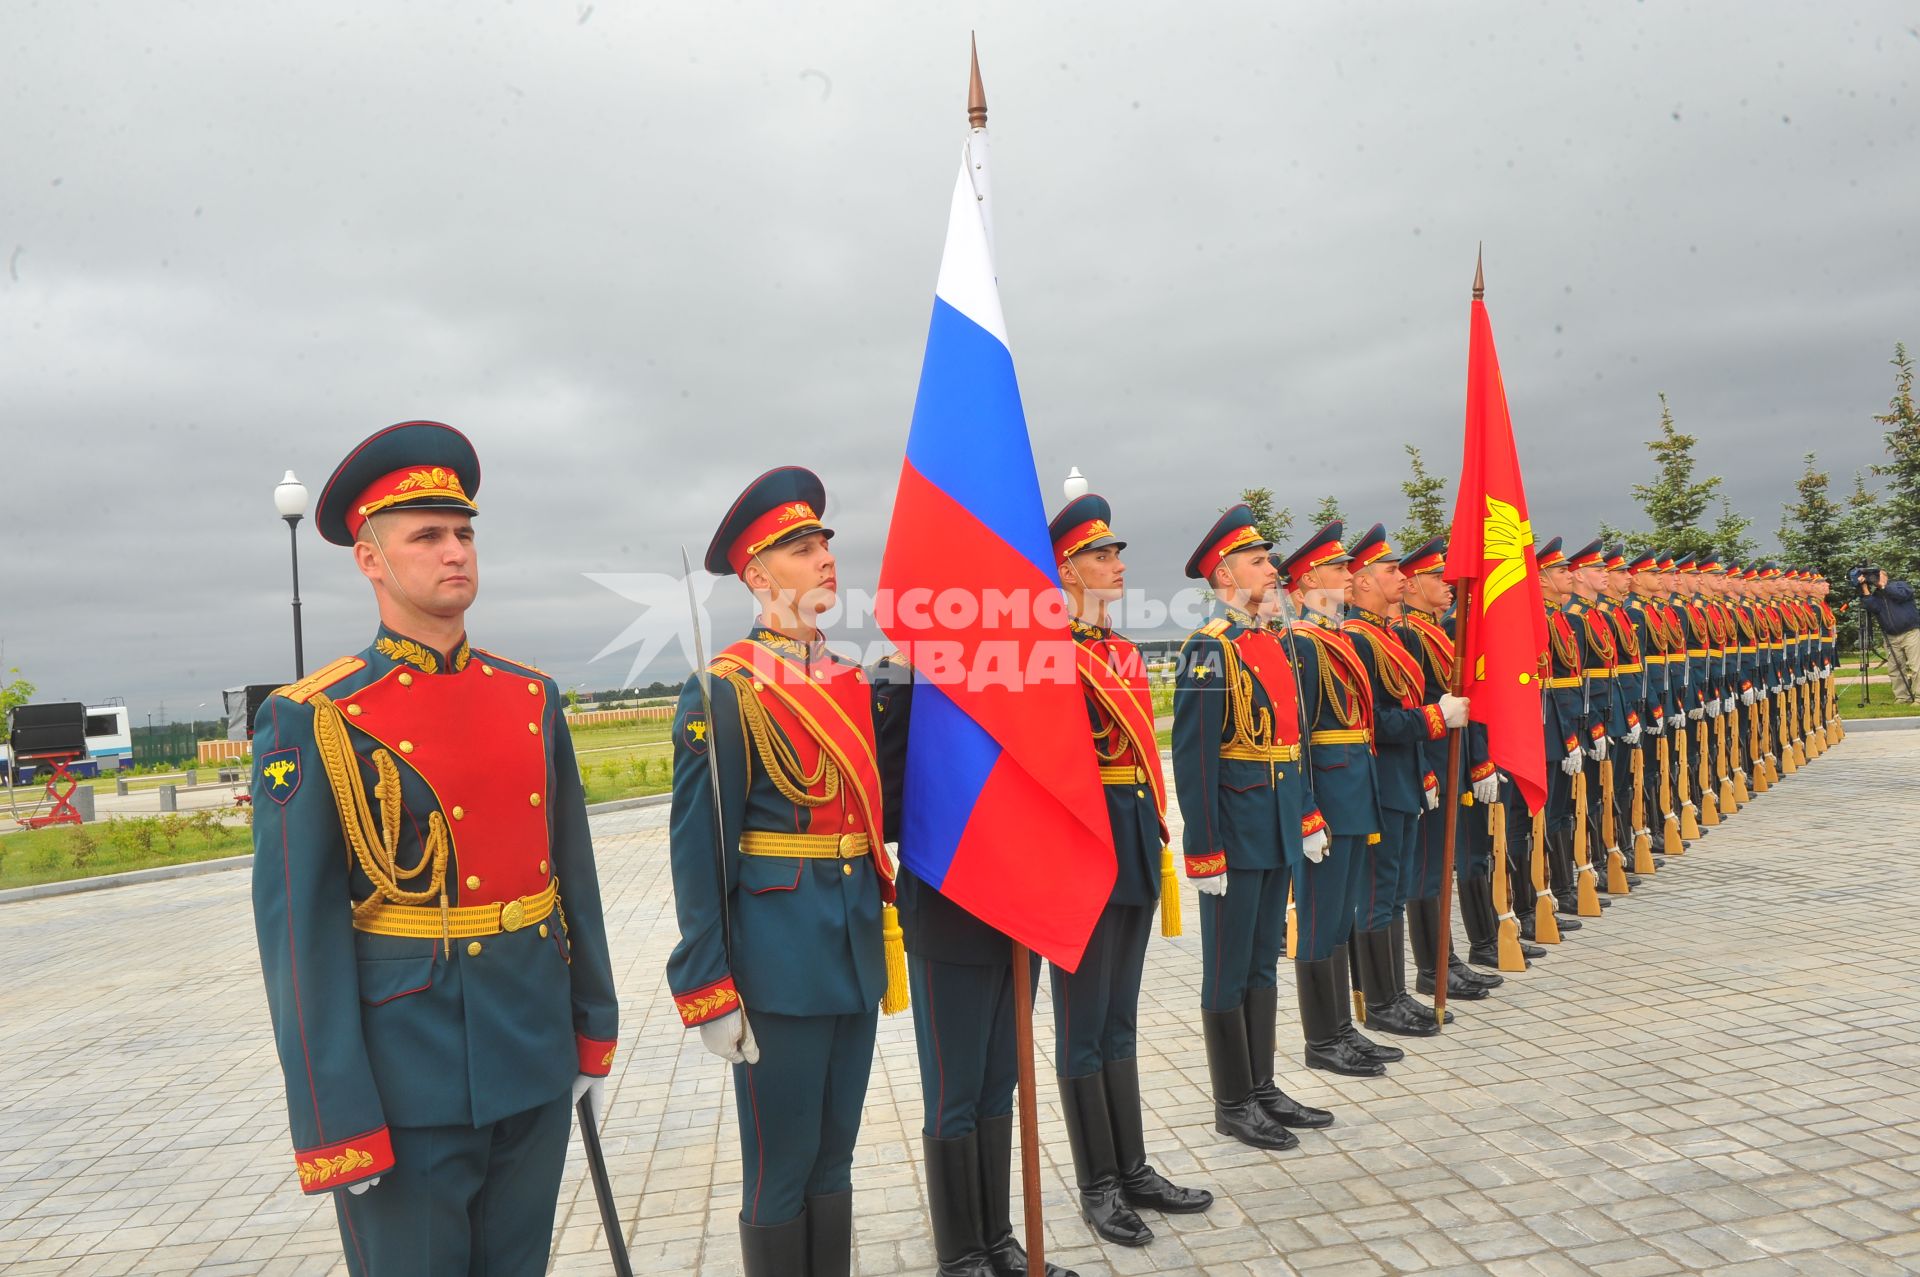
{"points": [[1564, 706], [1652, 640], [1336, 709], [1426, 631], [1603, 714], [1629, 704], [1251, 824], [1403, 722], [427, 909], [782, 883], [1096, 1008]]}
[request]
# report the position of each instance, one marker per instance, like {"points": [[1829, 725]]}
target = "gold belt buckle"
{"points": [[1139, 775], [849, 846], [513, 915]]}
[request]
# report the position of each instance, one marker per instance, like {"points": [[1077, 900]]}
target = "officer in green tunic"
{"points": [[781, 882], [425, 899]]}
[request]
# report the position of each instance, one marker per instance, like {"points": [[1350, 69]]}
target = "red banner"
{"points": [[1490, 554]]}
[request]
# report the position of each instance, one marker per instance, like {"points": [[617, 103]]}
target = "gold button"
{"points": [[406, 747], [543, 866], [847, 870], [534, 799], [459, 813], [1139, 793], [486, 669], [534, 728], [354, 710], [406, 679], [473, 882], [473, 950], [533, 688], [543, 931], [1281, 775]]}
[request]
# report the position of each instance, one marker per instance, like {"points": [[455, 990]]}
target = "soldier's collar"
{"points": [[1423, 614], [1321, 619], [1088, 630], [1238, 615], [402, 650], [798, 649], [1370, 616]]}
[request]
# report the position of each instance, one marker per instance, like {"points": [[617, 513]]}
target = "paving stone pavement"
{"points": [[1722, 1076]]}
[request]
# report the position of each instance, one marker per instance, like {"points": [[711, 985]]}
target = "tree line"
{"points": [[1685, 514]]}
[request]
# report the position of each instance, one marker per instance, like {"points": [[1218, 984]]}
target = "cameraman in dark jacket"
{"points": [[1892, 605]]}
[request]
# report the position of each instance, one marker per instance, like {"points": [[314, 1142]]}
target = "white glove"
{"points": [[595, 1089], [1571, 763], [1453, 709], [1657, 727], [1696, 714], [1433, 798], [1826, 671], [1599, 750], [1215, 885], [1314, 846], [1713, 708], [362, 1186], [731, 1038], [1486, 792], [1749, 696], [1726, 706], [1633, 734]]}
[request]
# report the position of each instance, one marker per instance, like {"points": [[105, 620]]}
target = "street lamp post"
{"points": [[1076, 484], [290, 498]]}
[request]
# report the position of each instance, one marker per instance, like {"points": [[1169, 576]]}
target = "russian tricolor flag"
{"points": [[1003, 809]]}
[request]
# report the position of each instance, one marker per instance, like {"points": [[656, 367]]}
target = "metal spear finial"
{"points": [[1479, 276], [976, 92]]}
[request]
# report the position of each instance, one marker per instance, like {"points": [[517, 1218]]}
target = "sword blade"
{"points": [[705, 682]]}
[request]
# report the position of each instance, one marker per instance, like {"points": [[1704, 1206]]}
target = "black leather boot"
{"points": [[830, 1235], [1420, 932], [1261, 1007], [1009, 1257], [1386, 1011], [1482, 924], [773, 1250], [1398, 945], [1140, 1184], [1346, 969], [1236, 1111], [1323, 1016], [954, 1203], [1096, 1166]]}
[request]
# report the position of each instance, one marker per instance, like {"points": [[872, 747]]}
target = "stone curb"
{"points": [[161, 873]]}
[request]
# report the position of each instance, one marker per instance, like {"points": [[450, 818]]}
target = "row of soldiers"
{"points": [[436, 961], [1311, 714]]}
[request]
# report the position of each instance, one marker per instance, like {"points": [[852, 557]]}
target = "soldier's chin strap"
{"points": [[393, 578]]}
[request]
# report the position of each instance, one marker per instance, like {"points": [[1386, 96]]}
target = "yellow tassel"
{"points": [[1169, 895], [1293, 926], [894, 941], [1359, 1007]]}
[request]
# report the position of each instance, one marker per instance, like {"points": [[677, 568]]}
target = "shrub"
{"points": [[136, 833], [172, 825], [82, 846]]}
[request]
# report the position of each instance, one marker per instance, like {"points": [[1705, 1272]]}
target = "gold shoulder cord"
{"points": [[1565, 648], [376, 847], [1392, 678], [1346, 705], [1250, 726], [777, 756]]}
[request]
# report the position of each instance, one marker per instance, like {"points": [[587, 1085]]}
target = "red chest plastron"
{"points": [[1261, 652], [848, 687], [478, 739]]}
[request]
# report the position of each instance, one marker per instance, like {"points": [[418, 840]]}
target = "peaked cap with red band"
{"points": [[1322, 547], [1550, 555], [1587, 556], [416, 465], [1372, 548], [1666, 561], [1616, 558], [1428, 559], [1083, 526], [780, 505], [1707, 564], [1234, 530], [1645, 561]]}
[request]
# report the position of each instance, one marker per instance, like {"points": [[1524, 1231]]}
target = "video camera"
{"points": [[1864, 577]]}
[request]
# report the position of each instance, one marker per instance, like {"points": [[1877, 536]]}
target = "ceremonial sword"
{"points": [[704, 679]]}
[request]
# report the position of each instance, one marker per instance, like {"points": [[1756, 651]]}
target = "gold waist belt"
{"points": [[1627, 669], [1342, 736], [425, 922], [765, 842], [1748, 651], [1571, 680], [1114, 774], [1696, 652], [1263, 754], [1603, 673]]}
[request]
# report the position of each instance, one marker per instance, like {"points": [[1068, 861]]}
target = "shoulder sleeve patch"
{"points": [[321, 679], [693, 731]]}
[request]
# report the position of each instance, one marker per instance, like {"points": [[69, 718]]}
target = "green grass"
{"points": [[1882, 704], [65, 852]]}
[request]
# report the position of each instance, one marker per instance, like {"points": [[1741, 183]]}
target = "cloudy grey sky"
{"points": [[640, 253]]}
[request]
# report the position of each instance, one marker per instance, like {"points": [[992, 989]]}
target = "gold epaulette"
{"points": [[320, 680], [1214, 628], [724, 667], [508, 660]]}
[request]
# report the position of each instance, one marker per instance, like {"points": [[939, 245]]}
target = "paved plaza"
{"points": [[1722, 1076]]}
